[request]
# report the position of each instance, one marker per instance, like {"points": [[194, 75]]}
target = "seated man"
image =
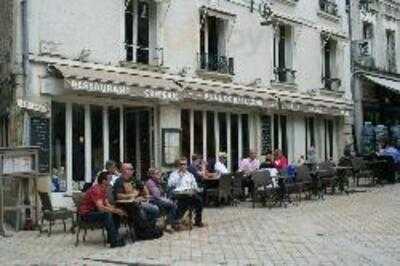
{"points": [[181, 180], [158, 198], [220, 165], [96, 208], [128, 188], [248, 166]]}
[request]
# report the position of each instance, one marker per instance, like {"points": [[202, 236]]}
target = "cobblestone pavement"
{"points": [[359, 229]]}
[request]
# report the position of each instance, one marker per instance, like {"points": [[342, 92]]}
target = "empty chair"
{"points": [[52, 215]]}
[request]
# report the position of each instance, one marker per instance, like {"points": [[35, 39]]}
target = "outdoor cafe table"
{"points": [[187, 194]]}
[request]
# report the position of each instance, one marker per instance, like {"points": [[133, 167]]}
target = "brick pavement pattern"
{"points": [[359, 229]]}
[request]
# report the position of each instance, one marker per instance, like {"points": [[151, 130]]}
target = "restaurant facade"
{"points": [[148, 81]]}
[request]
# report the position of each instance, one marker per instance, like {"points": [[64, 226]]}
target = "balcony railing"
{"points": [[216, 63], [332, 84], [144, 55], [284, 75], [329, 6]]}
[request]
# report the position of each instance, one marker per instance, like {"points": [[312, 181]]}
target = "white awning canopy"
{"points": [[387, 83]]}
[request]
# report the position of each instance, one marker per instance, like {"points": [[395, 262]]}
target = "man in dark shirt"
{"points": [[95, 208], [128, 188]]}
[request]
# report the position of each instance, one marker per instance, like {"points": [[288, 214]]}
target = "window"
{"points": [[368, 31], [283, 54], [78, 142], [328, 128], [96, 116], [4, 131], [329, 6], [391, 50], [58, 144], [141, 32], [213, 43], [310, 134], [114, 133], [329, 71], [280, 133]]}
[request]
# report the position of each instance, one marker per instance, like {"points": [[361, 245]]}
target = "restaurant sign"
{"points": [[92, 86], [232, 99]]}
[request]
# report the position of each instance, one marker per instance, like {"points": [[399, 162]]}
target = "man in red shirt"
{"points": [[95, 208]]}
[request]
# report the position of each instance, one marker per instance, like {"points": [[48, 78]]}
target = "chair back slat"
{"points": [[261, 178], [303, 173], [45, 200]]}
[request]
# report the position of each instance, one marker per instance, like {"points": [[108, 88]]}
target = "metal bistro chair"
{"points": [[225, 189], [360, 170], [237, 188], [328, 176], [303, 181], [263, 187], [82, 224], [51, 215]]}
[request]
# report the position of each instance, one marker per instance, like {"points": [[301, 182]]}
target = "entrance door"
{"points": [[137, 139]]}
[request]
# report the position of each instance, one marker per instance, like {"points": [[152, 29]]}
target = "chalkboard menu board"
{"points": [[266, 138], [40, 136]]}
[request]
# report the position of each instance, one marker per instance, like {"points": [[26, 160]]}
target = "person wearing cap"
{"points": [[220, 167]]}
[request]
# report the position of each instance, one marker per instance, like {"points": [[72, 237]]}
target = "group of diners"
{"points": [[117, 194]]}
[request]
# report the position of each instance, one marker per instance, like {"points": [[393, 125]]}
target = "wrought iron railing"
{"points": [[284, 75], [332, 84], [216, 63], [142, 55], [329, 6]]}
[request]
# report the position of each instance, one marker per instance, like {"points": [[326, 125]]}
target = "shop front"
{"points": [[150, 119], [381, 112]]}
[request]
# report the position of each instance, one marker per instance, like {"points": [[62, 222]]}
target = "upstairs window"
{"points": [[141, 32], [391, 50], [213, 55], [329, 6], [283, 54], [330, 78]]}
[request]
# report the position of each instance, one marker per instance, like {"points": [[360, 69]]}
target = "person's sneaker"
{"points": [[200, 224], [119, 243]]}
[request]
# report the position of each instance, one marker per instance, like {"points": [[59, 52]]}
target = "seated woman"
{"points": [[158, 198]]}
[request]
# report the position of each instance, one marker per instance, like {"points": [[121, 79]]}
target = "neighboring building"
{"points": [[143, 81], [375, 72]]}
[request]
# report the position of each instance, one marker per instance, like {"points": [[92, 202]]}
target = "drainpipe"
{"points": [[24, 66]]}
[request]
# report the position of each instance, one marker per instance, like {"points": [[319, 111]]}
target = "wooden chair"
{"points": [[82, 224], [51, 215]]}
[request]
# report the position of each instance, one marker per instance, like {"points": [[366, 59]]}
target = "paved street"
{"points": [[360, 229]]}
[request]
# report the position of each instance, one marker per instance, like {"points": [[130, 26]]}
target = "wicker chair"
{"points": [[51, 215]]}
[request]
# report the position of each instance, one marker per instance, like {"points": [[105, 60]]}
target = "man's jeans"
{"points": [[151, 211], [169, 207], [107, 220], [195, 202]]}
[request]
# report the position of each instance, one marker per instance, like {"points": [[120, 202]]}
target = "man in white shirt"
{"points": [[181, 180], [219, 166]]}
